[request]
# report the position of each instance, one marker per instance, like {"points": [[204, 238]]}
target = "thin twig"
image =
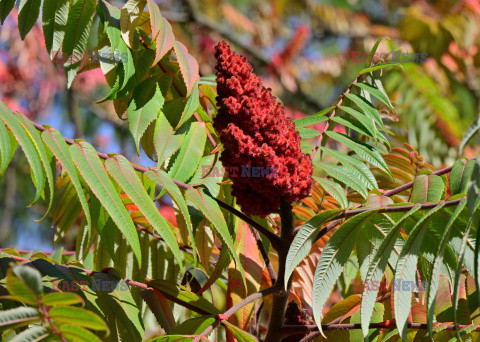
{"points": [[398, 208], [253, 297], [266, 259], [272, 237], [25, 251], [410, 184]]}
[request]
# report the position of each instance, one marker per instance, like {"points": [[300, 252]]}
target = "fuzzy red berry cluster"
{"points": [[257, 138]]}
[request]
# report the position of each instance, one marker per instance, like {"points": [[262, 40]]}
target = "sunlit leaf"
{"points": [[427, 188], [304, 240], [28, 12], [333, 258], [54, 16], [122, 171], [77, 316], [188, 66], [89, 165], [405, 269]]}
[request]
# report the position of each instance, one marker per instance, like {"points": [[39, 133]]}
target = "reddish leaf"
{"points": [[155, 17], [165, 40], [188, 66], [249, 257]]}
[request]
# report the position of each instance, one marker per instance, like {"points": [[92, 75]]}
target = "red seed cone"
{"points": [[256, 133]]}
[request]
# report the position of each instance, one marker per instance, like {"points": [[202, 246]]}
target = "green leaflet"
{"points": [[313, 119], [89, 165], [191, 151], [221, 265], [307, 133], [8, 145], [379, 93], [18, 317], [210, 208], [427, 188], [189, 299], [53, 139], [380, 66], [208, 174], [304, 240], [122, 171], [120, 300], [372, 236], [367, 108], [6, 7], [239, 334], [405, 270], [164, 40], [364, 151], [161, 309], [110, 16], [333, 258], [34, 160], [77, 29], [352, 124], [77, 316], [188, 67], [141, 62], [61, 298], [469, 134], [355, 166], [45, 156], [24, 284], [161, 178], [335, 190], [377, 268], [345, 176], [35, 333], [27, 15], [460, 176], [79, 334], [126, 59], [366, 121], [472, 187], [54, 17], [194, 326], [145, 106], [374, 49], [166, 140], [191, 105]]}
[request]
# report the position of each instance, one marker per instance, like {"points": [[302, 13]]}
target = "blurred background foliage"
{"points": [[307, 51]]}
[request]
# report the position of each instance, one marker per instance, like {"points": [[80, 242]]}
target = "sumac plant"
{"points": [[304, 233]]}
